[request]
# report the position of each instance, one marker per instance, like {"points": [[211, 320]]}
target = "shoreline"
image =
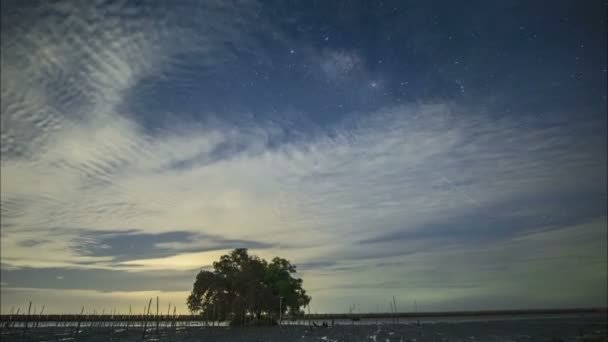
{"points": [[320, 316]]}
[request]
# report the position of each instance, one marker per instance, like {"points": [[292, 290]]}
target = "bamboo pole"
{"points": [[28, 319], [78, 325], [112, 319], [417, 319], [40, 315], [128, 319], [143, 336], [167, 318], [396, 315]]}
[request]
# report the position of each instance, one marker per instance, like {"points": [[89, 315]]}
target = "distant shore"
{"points": [[422, 314], [320, 316]]}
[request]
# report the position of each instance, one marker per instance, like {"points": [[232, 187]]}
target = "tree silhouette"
{"points": [[243, 288]]}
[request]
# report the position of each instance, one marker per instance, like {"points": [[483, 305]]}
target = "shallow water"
{"points": [[567, 328]]}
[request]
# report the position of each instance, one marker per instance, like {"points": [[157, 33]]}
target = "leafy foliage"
{"points": [[245, 288]]}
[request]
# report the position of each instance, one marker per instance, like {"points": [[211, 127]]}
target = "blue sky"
{"points": [[453, 155]]}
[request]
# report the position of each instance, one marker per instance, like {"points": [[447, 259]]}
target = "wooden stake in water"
{"points": [[128, 318], [396, 315], [167, 318], [40, 316], [157, 321], [28, 319], [112, 319], [78, 325], [418, 320], [174, 317], [143, 336]]}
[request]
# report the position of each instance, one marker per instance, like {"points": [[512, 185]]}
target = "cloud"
{"points": [[66, 81], [99, 279], [383, 174], [93, 190], [131, 244], [503, 221], [511, 273]]}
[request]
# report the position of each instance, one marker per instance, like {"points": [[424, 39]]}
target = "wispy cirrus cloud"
{"points": [[318, 190]]}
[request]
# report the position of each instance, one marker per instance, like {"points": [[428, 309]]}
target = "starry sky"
{"points": [[451, 154]]}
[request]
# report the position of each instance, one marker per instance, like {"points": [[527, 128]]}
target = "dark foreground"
{"points": [[573, 328]]}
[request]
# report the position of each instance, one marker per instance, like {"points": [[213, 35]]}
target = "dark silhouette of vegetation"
{"points": [[245, 289]]}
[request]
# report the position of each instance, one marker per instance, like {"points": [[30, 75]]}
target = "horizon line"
{"points": [[346, 315]]}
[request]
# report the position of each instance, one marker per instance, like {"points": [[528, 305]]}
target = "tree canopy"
{"points": [[243, 287]]}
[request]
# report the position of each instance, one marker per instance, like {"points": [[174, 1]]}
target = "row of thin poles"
{"points": [[14, 320], [130, 320], [96, 319]]}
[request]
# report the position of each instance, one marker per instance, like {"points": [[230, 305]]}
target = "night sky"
{"points": [[448, 153]]}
